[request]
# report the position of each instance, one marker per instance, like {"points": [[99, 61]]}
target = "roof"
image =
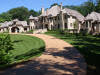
{"points": [[52, 11], [23, 23], [93, 16], [6, 24], [74, 13], [35, 18]]}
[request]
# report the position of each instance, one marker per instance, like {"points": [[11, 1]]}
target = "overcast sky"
{"points": [[5, 5]]}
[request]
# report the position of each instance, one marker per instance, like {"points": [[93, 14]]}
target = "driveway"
{"points": [[59, 58]]}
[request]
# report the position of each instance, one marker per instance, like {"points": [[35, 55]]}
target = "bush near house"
{"points": [[5, 47], [88, 46], [30, 32]]}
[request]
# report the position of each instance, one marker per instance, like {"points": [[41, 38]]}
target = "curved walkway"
{"points": [[60, 58]]}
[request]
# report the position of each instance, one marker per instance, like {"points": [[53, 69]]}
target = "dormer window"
{"points": [[14, 23]]}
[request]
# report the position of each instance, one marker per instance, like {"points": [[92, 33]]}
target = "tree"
{"points": [[5, 17], [98, 6], [34, 13], [53, 4], [5, 47], [85, 8], [20, 13]]}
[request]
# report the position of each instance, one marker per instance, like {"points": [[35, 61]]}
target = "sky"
{"points": [[6, 5]]}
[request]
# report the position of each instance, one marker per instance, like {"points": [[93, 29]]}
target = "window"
{"points": [[71, 24], [65, 25], [86, 23], [58, 26], [65, 16], [55, 18], [14, 23], [25, 29]]}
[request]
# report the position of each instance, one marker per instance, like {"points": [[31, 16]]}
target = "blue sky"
{"points": [[5, 5]]}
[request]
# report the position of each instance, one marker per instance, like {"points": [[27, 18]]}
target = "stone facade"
{"points": [[92, 23], [58, 18], [14, 26]]}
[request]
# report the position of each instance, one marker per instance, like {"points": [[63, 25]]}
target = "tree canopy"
{"points": [[21, 13], [87, 7]]}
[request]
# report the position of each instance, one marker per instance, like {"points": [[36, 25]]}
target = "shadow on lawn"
{"points": [[31, 53], [89, 51], [74, 65]]}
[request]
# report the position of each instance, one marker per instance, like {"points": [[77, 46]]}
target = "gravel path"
{"points": [[60, 58]]}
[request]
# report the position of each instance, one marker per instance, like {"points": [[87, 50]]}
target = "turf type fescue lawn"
{"points": [[88, 46], [25, 47]]}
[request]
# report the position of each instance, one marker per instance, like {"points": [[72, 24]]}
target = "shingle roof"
{"points": [[52, 11], [74, 13], [23, 23], [6, 24], [35, 18], [93, 16]]}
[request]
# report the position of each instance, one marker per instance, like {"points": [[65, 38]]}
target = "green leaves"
{"points": [[5, 47], [21, 13]]}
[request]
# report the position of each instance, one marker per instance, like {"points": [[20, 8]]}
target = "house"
{"points": [[53, 18], [14, 26], [58, 18], [92, 23]]}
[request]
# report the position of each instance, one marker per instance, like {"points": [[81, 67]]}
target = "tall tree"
{"points": [[34, 13], [98, 6], [5, 17], [21, 13], [85, 8]]}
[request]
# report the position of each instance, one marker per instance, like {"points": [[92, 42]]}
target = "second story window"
{"points": [[55, 18], [65, 16], [71, 24]]}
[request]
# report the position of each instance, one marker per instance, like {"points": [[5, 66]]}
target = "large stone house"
{"points": [[58, 18], [55, 17], [15, 26], [92, 23]]}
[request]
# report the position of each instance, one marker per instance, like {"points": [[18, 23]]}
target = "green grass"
{"points": [[88, 46], [25, 47]]}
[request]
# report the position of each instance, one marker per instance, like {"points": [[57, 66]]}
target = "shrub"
{"points": [[30, 31], [5, 47]]}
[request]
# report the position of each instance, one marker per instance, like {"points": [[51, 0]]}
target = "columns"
{"points": [[99, 27], [88, 27], [10, 29], [62, 20], [79, 27]]}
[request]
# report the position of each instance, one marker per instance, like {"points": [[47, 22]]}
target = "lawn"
{"points": [[25, 47], [88, 46]]}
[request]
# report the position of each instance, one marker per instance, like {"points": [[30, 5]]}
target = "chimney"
{"points": [[61, 6], [47, 11], [42, 10]]}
